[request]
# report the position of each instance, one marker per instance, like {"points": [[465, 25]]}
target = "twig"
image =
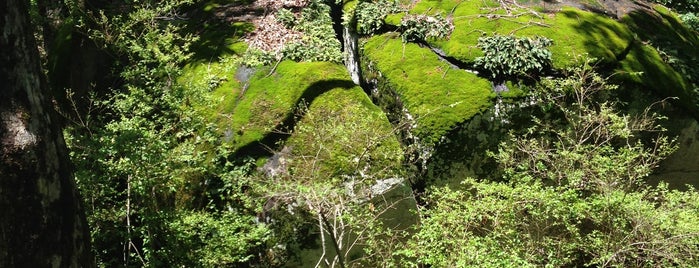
{"points": [[275, 67]]}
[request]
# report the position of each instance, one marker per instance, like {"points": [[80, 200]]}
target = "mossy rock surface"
{"points": [[436, 95], [573, 31], [666, 60], [342, 133], [217, 85], [270, 100], [644, 48]]}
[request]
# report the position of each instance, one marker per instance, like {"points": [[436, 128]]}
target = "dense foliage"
{"points": [[691, 20], [158, 186], [319, 42], [422, 27], [211, 152], [507, 56], [370, 15], [680, 5]]}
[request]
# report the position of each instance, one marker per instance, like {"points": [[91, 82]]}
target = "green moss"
{"points": [[271, 98], [576, 32], [349, 5], [645, 66], [432, 7], [394, 19], [438, 96], [344, 133], [215, 85]]}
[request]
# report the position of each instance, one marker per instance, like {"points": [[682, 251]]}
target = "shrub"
{"points": [[286, 17], [370, 15], [319, 42], [506, 56], [680, 5], [691, 20], [421, 27]]}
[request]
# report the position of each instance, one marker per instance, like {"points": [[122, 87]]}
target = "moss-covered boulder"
{"points": [[267, 106], [648, 47], [343, 134], [641, 50], [218, 87], [436, 95], [665, 58]]}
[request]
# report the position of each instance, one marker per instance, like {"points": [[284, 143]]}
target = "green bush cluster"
{"points": [[370, 15], [691, 20], [286, 17], [507, 56], [161, 189], [158, 184], [682, 6], [320, 42], [422, 27]]}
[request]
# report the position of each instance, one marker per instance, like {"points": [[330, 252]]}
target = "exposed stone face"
{"points": [[681, 167], [278, 164]]}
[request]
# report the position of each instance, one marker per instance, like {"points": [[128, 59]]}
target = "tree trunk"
{"points": [[42, 222]]}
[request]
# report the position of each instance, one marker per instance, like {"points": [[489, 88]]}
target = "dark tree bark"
{"points": [[42, 222]]}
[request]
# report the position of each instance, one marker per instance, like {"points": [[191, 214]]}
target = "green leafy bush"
{"points": [[681, 6], [320, 42], [206, 240], [421, 27], [286, 17], [370, 15], [506, 56], [150, 162], [691, 20]]}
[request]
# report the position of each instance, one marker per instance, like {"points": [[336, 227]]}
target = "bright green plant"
{"points": [[506, 56], [159, 188], [422, 27], [691, 20], [286, 17], [680, 5], [319, 42], [370, 15]]}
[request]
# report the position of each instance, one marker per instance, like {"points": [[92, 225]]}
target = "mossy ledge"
{"points": [[266, 109], [436, 96], [343, 134]]}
